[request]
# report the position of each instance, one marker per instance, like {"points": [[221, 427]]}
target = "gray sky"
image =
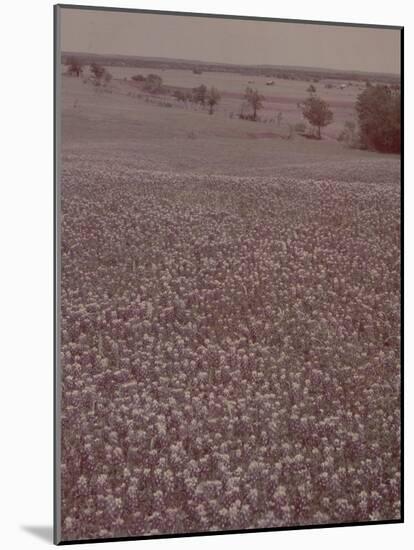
{"points": [[231, 41]]}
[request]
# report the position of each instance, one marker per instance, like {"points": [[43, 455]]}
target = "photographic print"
{"points": [[228, 274]]}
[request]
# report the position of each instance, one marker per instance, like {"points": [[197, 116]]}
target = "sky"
{"points": [[231, 41]]}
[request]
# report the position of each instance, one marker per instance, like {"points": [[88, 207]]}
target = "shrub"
{"points": [[153, 83], [349, 135], [300, 128], [138, 78]]}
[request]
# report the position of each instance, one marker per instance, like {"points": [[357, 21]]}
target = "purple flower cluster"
{"points": [[229, 352]]}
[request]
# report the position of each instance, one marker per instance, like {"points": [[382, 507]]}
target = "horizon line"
{"points": [[250, 65]]}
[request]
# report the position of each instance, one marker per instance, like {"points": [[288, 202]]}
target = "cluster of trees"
{"points": [[200, 95], [152, 83], [378, 124], [99, 74], [210, 97]]}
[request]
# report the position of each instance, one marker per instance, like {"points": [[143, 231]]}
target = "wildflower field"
{"points": [[229, 323], [229, 351]]}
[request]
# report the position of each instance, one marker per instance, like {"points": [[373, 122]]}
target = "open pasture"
{"points": [[281, 97], [157, 132]]}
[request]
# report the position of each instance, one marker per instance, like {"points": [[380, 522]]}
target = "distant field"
{"points": [[175, 136], [233, 82], [283, 96]]}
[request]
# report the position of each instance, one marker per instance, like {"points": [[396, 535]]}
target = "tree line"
{"points": [[378, 108]]}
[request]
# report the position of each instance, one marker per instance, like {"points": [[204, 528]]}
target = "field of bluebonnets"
{"points": [[229, 325], [230, 350]]}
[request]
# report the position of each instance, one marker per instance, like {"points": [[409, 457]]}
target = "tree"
{"points": [[317, 112], [213, 97], [254, 99], [311, 89], [75, 66], [98, 72], [153, 83], [379, 118], [200, 94]]}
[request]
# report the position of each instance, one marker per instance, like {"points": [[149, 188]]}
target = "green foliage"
{"points": [[317, 112], [379, 118]]}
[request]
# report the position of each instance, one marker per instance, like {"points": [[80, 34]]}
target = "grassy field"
{"points": [[282, 97], [230, 316], [145, 131]]}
